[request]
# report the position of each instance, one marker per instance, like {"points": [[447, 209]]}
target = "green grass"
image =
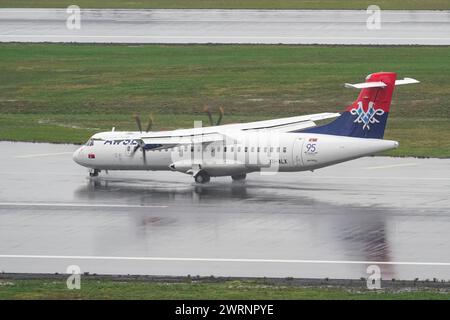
{"points": [[231, 4], [65, 93], [109, 289]]}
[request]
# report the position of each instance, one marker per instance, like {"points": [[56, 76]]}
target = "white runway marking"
{"points": [[392, 166], [178, 259], [42, 155], [75, 205]]}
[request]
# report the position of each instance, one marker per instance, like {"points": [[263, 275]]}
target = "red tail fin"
{"points": [[379, 97], [367, 116]]}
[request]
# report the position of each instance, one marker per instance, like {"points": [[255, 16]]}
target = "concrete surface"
{"points": [[334, 222], [227, 26]]}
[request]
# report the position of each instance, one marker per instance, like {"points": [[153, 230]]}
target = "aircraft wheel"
{"points": [[239, 177], [202, 178]]}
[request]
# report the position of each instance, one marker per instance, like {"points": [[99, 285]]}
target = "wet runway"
{"points": [[335, 222], [228, 26]]}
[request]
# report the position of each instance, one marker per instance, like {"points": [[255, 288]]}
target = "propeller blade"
{"points": [[208, 112], [138, 145], [138, 122], [221, 112], [150, 123]]}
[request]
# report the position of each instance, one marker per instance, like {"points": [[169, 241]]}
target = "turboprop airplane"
{"points": [[270, 146]]}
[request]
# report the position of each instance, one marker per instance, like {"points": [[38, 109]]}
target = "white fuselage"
{"points": [[247, 151]]}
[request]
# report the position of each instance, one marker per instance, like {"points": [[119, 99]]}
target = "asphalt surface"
{"points": [[227, 26], [334, 222]]}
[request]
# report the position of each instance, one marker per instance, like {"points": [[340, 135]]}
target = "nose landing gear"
{"points": [[94, 172]]}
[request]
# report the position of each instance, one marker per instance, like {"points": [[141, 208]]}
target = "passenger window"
{"points": [[271, 149], [258, 149], [284, 149], [278, 149], [239, 149], [252, 149], [224, 149], [245, 149]]}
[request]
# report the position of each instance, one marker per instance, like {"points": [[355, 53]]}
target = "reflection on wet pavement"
{"points": [[373, 209]]}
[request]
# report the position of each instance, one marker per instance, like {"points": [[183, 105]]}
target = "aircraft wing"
{"points": [[282, 124], [173, 141], [206, 135]]}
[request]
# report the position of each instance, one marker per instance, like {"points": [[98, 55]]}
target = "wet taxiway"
{"points": [[335, 222]]}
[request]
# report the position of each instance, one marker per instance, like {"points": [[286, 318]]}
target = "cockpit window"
{"points": [[89, 143]]}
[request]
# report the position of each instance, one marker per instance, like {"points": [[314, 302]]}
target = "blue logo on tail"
{"points": [[356, 122], [366, 117]]}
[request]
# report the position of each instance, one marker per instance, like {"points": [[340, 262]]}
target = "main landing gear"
{"points": [[202, 177], [94, 172], [239, 177]]}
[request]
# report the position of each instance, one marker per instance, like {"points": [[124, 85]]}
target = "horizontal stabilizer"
{"points": [[406, 81], [380, 84], [364, 85]]}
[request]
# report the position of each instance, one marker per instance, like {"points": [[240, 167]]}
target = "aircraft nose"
{"points": [[76, 156]]}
